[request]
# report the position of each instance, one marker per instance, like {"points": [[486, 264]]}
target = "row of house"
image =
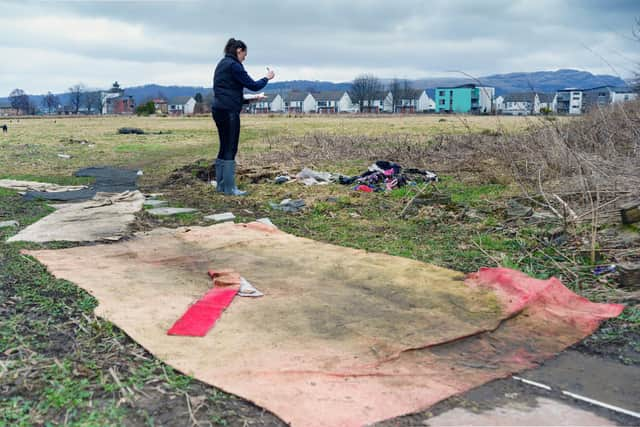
{"points": [[331, 102], [566, 101], [468, 98]]}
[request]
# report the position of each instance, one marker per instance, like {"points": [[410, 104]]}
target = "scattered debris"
{"points": [[630, 275], [126, 131], [630, 212], [518, 210], [155, 203], [248, 290], [4, 224], [311, 177], [266, 221], [76, 141], [170, 211], [604, 269], [64, 156], [227, 216], [281, 179], [139, 173], [214, 184], [288, 205]]}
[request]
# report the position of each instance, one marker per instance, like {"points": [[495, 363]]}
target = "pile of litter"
{"points": [[343, 336], [384, 175]]}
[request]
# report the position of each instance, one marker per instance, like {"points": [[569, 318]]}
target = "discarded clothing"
{"points": [[311, 177], [107, 217], [288, 205], [108, 180], [384, 176]]}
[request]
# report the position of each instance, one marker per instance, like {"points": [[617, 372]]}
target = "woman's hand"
{"points": [[270, 74]]}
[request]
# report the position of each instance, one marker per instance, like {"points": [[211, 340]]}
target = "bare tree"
{"points": [[365, 87], [50, 101], [75, 96], [19, 101], [93, 101], [394, 88]]}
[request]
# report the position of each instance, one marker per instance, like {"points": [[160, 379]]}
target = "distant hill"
{"points": [[542, 81]]}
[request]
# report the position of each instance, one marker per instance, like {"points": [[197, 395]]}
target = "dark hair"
{"points": [[233, 45]]}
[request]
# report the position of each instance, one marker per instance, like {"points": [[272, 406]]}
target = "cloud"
{"points": [[53, 44]]}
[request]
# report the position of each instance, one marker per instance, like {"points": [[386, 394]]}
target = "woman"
{"points": [[229, 81]]}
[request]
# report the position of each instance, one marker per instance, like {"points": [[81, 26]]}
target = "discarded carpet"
{"points": [[107, 180], [343, 337], [106, 217], [42, 187]]}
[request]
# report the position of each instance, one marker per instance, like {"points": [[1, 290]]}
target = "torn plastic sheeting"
{"points": [[307, 352], [107, 180]]}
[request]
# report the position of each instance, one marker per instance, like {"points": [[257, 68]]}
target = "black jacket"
{"points": [[229, 81]]}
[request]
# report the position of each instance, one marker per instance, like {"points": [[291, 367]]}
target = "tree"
{"points": [[75, 96], [50, 101], [395, 89], [19, 101], [365, 87], [198, 97], [93, 101], [146, 108]]}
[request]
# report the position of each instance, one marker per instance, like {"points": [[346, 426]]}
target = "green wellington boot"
{"points": [[229, 179], [219, 174]]}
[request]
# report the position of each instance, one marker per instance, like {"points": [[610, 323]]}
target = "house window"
{"points": [[441, 93], [442, 102]]}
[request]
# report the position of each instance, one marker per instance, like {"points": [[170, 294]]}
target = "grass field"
{"points": [[32, 145], [60, 364]]}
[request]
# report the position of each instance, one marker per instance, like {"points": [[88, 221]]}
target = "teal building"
{"points": [[467, 98]]}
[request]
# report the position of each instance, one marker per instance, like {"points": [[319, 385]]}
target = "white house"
{"points": [[333, 102], [487, 94], [181, 105], [521, 104], [382, 102], [300, 102], [499, 104], [425, 102], [547, 101], [274, 103], [277, 104]]}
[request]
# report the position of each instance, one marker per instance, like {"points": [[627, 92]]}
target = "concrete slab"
{"points": [[544, 412], [4, 224], [170, 211], [227, 216], [155, 203]]}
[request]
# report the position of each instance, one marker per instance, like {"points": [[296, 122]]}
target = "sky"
{"points": [[50, 45]]}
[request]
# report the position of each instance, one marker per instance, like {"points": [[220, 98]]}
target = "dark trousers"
{"points": [[228, 124]]}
